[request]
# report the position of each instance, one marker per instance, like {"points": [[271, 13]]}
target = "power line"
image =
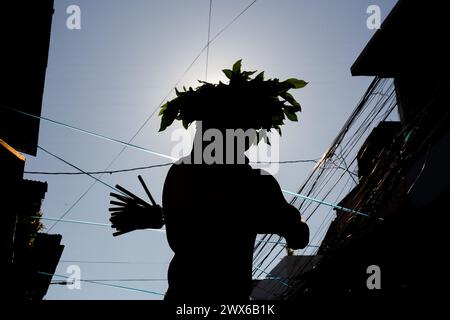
{"points": [[233, 21], [100, 172], [112, 262], [81, 197], [283, 190], [90, 223], [129, 143], [287, 161], [123, 280], [316, 182], [272, 277], [151, 115], [80, 170], [65, 282], [104, 284], [213, 39], [126, 144], [327, 204], [91, 133], [73, 205], [99, 224], [209, 38]]}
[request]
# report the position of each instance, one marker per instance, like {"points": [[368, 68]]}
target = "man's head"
{"points": [[243, 103], [222, 145]]}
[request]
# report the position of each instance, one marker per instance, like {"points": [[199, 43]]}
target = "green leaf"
{"points": [[260, 76], [271, 98], [163, 108], [296, 83], [247, 74], [277, 118], [290, 116], [228, 73], [290, 109], [165, 122], [237, 66], [289, 98]]}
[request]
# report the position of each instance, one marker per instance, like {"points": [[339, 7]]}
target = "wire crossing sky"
{"points": [[144, 124], [110, 75], [97, 135], [164, 156], [105, 284]]}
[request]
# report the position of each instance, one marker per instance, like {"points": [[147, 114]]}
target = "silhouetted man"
{"points": [[214, 203], [213, 213]]}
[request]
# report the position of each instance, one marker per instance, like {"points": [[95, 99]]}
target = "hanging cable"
{"points": [[151, 115], [285, 191], [99, 172], [233, 21], [82, 171], [328, 204], [148, 167], [89, 223], [97, 135], [281, 280], [317, 183], [112, 262], [124, 280], [209, 39], [103, 284]]}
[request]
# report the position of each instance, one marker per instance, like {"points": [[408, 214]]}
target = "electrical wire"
{"points": [[283, 190], [153, 113], [104, 284], [91, 133], [56, 173], [209, 39], [111, 262], [145, 168], [319, 178], [90, 223], [79, 169]]}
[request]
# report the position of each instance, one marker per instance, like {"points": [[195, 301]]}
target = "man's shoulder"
{"points": [[265, 181], [263, 175]]}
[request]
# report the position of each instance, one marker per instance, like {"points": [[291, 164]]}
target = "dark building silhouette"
{"points": [[403, 173], [25, 37]]}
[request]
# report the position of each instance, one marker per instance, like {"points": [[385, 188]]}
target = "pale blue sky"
{"points": [[110, 75]]}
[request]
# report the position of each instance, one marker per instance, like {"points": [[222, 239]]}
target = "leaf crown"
{"points": [[244, 102]]}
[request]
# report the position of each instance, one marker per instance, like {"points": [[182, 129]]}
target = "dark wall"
{"points": [[24, 44]]}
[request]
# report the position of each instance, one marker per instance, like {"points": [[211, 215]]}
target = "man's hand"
{"points": [[297, 236], [130, 214]]}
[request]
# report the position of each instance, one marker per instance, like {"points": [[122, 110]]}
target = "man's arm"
{"points": [[277, 216]]}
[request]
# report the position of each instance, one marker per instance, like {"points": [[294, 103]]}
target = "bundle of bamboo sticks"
{"points": [[130, 212]]}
